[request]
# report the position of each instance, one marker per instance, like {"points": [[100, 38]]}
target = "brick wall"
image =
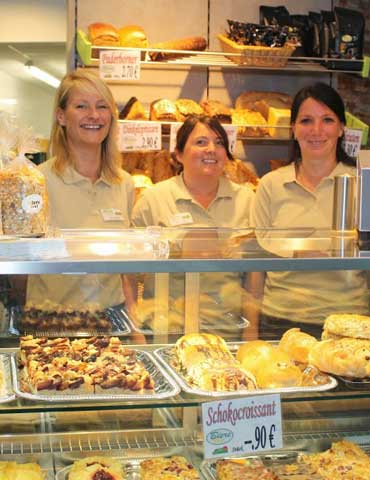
{"points": [[355, 90]]}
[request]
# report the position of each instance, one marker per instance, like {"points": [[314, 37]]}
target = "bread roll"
{"points": [[103, 34], [348, 325], [348, 357], [278, 371], [297, 344], [189, 43], [132, 36], [254, 353]]}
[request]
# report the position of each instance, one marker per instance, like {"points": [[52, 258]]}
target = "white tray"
{"points": [[164, 355], [165, 386], [6, 393]]}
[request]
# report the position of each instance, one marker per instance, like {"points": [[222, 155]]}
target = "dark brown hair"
{"points": [[188, 126], [327, 95]]}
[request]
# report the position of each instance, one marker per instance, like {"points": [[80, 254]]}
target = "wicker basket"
{"points": [[256, 56]]}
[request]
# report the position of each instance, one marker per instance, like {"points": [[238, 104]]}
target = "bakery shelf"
{"points": [[89, 56]]}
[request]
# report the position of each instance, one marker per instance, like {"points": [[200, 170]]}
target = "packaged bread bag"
{"points": [[23, 196]]}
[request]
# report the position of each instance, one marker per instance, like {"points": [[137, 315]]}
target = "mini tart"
{"points": [[232, 469], [96, 468]]}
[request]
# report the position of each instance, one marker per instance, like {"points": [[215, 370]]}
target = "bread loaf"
{"points": [[133, 110], [163, 110], [249, 100], [187, 107], [189, 43], [103, 34], [215, 108], [132, 36], [251, 123], [238, 172]]}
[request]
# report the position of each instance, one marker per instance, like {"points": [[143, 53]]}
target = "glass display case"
{"points": [[58, 427]]}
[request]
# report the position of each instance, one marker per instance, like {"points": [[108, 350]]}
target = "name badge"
{"points": [[181, 219], [111, 214]]}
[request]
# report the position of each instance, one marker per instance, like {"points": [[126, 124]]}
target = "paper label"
{"points": [[352, 141], [32, 203], [140, 136], [184, 218], [173, 132], [119, 64], [111, 214], [241, 426]]}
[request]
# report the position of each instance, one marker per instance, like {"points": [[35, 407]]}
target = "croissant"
{"points": [[297, 344], [347, 357], [348, 325]]}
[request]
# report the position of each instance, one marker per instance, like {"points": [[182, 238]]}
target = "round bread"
{"points": [[347, 325], [297, 344], [133, 36], [254, 353], [278, 371]]}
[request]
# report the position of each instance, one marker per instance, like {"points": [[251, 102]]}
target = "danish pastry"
{"points": [[91, 468], [297, 344]]}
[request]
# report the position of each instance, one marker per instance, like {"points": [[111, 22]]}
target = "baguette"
{"points": [[189, 43]]}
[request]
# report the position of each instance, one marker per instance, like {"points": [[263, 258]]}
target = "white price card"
{"points": [[240, 426], [173, 132], [119, 64], [140, 136], [352, 141], [231, 131]]}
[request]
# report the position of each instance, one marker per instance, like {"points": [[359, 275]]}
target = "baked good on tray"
{"points": [[297, 344], [207, 363], [48, 316], [347, 325], [20, 471], [88, 365], [168, 468], [243, 469], [96, 467]]}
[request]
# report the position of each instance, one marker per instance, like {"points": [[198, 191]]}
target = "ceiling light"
{"points": [[42, 75], [8, 101]]}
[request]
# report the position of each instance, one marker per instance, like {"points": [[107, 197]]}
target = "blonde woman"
{"points": [[84, 181]]}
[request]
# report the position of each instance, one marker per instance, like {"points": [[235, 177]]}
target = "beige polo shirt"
{"points": [[169, 204], [75, 202], [307, 296]]}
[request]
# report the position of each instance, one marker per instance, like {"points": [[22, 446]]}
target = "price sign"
{"points": [[173, 132], [352, 141], [140, 136], [241, 426], [119, 64], [231, 131]]}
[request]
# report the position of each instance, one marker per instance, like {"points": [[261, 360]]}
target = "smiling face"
{"points": [[204, 154], [87, 118], [317, 130]]}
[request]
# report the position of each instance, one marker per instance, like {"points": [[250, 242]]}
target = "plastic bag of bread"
{"points": [[23, 199]]}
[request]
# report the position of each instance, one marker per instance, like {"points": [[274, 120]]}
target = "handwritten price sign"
{"points": [[140, 136], [352, 141], [241, 426], [119, 65]]}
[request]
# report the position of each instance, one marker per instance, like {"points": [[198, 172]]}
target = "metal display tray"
{"points": [[131, 464], [355, 383], [6, 393], [165, 354], [238, 321], [119, 325], [44, 460], [165, 386]]}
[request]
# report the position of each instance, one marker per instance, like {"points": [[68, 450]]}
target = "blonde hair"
{"points": [[86, 81]]}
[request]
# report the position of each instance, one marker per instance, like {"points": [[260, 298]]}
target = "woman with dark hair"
{"points": [[300, 195], [200, 196]]}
